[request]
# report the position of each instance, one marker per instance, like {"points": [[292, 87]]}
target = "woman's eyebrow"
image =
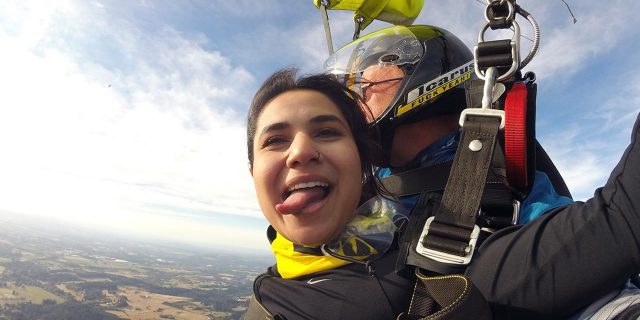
{"points": [[323, 118], [326, 118], [274, 127]]}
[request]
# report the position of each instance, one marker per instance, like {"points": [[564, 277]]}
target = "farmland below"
{"points": [[48, 274]]}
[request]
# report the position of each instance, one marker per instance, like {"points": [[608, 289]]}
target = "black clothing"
{"points": [[569, 257], [548, 268], [360, 295]]}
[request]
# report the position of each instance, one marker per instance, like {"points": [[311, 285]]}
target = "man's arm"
{"points": [[570, 256]]}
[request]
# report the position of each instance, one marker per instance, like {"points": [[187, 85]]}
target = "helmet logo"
{"points": [[435, 87]]}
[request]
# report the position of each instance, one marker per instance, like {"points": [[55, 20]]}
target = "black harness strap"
{"points": [[451, 229], [450, 297], [455, 218], [497, 209], [415, 181]]}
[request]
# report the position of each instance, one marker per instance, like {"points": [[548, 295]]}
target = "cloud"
{"points": [[462, 18], [85, 138], [114, 113], [582, 165], [586, 147], [567, 48], [312, 40], [618, 111]]}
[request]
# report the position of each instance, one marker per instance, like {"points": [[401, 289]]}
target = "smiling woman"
{"points": [[311, 159], [309, 154], [305, 171]]}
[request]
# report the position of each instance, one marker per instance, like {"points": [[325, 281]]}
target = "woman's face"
{"points": [[306, 167]]}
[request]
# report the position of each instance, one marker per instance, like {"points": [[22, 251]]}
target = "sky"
{"points": [[129, 116]]}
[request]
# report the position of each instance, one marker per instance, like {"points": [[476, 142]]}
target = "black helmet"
{"points": [[436, 65]]}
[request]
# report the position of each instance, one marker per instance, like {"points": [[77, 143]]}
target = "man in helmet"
{"points": [[389, 70], [413, 82]]}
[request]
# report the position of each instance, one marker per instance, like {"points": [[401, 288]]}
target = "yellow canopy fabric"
{"points": [[398, 12]]}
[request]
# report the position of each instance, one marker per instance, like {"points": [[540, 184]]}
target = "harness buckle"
{"points": [[445, 257], [491, 92], [491, 223], [482, 112]]}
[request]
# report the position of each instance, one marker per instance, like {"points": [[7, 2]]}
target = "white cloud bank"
{"points": [[105, 122], [115, 146]]}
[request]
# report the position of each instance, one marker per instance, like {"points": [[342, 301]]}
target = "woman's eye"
{"points": [[327, 133], [273, 142]]}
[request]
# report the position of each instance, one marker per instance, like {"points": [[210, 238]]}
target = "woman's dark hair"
{"points": [[347, 102]]}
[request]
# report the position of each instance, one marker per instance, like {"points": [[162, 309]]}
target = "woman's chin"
{"points": [[310, 238]]}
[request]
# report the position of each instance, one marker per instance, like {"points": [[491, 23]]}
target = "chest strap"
{"points": [[497, 202], [450, 235], [415, 181]]}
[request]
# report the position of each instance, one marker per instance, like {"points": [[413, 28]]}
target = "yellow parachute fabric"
{"points": [[398, 12]]}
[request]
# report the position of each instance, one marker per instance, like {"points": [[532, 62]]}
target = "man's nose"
{"points": [[302, 151]]}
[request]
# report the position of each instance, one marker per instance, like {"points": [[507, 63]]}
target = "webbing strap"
{"points": [[497, 198], [456, 216], [423, 179], [450, 297], [515, 135], [461, 198], [427, 179]]}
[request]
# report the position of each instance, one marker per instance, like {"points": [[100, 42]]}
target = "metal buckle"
{"points": [[492, 226], [515, 53], [516, 212], [488, 97], [443, 256], [482, 112]]}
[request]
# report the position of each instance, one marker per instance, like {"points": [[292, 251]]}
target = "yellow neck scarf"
{"points": [[293, 264], [368, 234]]}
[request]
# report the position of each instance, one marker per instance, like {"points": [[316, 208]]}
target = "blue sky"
{"points": [[129, 115]]}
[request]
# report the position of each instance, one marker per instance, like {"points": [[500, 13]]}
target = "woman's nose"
{"points": [[302, 151]]}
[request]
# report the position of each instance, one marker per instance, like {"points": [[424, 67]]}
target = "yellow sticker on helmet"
{"points": [[430, 90]]}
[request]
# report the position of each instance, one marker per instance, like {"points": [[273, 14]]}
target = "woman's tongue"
{"points": [[299, 199]]}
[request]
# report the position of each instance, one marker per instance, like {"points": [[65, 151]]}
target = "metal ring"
{"points": [[510, 15], [515, 53]]}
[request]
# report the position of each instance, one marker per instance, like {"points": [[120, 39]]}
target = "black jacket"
{"points": [[362, 294], [547, 269]]}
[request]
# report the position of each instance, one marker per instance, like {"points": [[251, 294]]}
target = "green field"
{"points": [[22, 294]]}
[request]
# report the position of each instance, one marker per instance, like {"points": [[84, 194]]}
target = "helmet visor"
{"points": [[390, 46]]}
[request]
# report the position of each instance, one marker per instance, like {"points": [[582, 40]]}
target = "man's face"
{"points": [[378, 94]]}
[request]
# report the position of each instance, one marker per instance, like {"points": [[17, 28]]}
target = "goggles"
{"points": [[391, 46]]}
